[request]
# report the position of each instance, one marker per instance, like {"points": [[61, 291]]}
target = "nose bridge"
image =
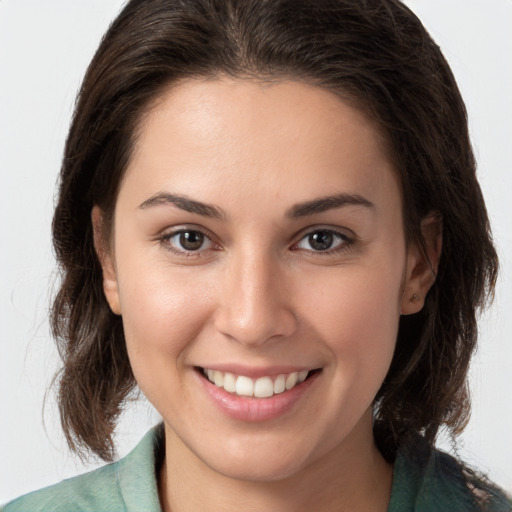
{"points": [[255, 306]]}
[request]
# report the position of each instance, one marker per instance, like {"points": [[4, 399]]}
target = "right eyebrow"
{"points": [[184, 203]]}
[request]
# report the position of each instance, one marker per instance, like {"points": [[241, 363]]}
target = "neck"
{"points": [[352, 477]]}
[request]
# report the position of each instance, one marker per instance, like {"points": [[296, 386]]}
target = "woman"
{"points": [[269, 221]]}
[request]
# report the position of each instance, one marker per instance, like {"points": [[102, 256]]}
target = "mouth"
{"points": [[262, 387]]}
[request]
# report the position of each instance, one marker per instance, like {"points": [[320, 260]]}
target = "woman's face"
{"points": [[258, 236]]}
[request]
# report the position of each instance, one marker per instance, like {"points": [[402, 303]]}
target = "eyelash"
{"points": [[345, 242]]}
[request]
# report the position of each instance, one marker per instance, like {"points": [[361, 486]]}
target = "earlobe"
{"points": [[422, 264], [105, 257]]}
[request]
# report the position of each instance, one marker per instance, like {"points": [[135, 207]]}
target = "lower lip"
{"points": [[252, 409]]}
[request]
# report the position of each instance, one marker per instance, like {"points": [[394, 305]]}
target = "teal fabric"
{"points": [[126, 485], [424, 480]]}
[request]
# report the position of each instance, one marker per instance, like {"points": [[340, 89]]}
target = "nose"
{"points": [[254, 301]]}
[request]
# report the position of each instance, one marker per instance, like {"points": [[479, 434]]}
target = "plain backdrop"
{"points": [[44, 50]]}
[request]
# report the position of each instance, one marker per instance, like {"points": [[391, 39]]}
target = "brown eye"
{"points": [[188, 240], [191, 240], [323, 240]]}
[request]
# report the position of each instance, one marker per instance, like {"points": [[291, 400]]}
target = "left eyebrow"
{"points": [[323, 204]]}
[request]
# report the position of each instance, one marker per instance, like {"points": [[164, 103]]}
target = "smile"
{"points": [[263, 387]]}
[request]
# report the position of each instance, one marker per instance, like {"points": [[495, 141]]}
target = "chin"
{"points": [[267, 460], [263, 469]]}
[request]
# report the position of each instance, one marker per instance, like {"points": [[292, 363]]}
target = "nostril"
{"points": [[251, 327]]}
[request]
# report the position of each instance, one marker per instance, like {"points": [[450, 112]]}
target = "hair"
{"points": [[373, 53]]}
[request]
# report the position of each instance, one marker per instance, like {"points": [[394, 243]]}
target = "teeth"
{"points": [[302, 376], [244, 386], [218, 379], [264, 387], [280, 384], [229, 382], [291, 380]]}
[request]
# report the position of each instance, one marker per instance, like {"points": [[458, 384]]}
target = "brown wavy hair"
{"points": [[375, 54]]}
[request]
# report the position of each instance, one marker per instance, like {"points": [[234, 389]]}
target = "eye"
{"points": [[187, 240], [323, 240]]}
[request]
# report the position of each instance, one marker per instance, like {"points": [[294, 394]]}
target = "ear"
{"points": [[422, 264], [105, 256]]}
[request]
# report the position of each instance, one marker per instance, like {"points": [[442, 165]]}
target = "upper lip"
{"points": [[255, 372]]}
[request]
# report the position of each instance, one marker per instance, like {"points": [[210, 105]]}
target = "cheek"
{"points": [[162, 314], [356, 313]]}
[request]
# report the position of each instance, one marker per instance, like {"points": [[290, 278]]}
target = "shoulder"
{"points": [[126, 485], [426, 479], [84, 492]]}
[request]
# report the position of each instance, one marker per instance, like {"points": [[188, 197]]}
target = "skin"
{"points": [[257, 293]]}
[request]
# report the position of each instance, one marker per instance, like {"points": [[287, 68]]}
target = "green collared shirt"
{"points": [[424, 480]]}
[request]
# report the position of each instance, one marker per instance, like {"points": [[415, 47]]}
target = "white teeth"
{"points": [[280, 384], [291, 380], [244, 386], [229, 382], [218, 378], [264, 387], [302, 376]]}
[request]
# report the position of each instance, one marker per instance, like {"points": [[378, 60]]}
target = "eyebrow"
{"points": [[318, 205], [323, 204], [184, 203]]}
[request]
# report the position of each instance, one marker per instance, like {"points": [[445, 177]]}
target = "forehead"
{"points": [[203, 133]]}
